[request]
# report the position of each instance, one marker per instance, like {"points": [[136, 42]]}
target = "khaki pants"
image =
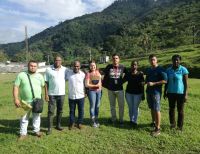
{"points": [[119, 95]]}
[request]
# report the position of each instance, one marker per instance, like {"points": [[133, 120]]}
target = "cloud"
{"points": [[38, 15], [54, 10]]}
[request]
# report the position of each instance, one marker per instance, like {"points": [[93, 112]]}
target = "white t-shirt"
{"points": [[56, 79], [76, 84]]}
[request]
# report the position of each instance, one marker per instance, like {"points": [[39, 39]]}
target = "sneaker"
{"points": [[38, 134], [98, 125], [22, 137], [94, 125], [71, 126], [156, 132], [80, 126], [97, 122]]}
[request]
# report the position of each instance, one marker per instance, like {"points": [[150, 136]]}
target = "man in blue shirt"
{"points": [[176, 90], [155, 77]]}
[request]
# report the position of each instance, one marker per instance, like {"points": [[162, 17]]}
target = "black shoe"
{"points": [[59, 128], [71, 126], [49, 132], [172, 126], [180, 129], [121, 123], [134, 124]]}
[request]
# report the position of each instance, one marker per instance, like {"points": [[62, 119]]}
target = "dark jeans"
{"points": [[173, 100], [72, 107], [56, 101]]}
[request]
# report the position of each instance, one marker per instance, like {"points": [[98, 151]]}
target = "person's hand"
{"points": [[47, 98], [150, 84], [17, 102], [185, 98]]}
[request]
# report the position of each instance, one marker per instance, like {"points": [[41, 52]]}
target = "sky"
{"points": [[38, 15]]}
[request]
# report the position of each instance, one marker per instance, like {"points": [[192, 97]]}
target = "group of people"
{"points": [[82, 84]]}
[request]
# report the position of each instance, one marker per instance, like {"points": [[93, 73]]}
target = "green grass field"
{"points": [[107, 138]]}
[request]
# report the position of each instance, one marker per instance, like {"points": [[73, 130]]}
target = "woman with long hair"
{"points": [[94, 85]]}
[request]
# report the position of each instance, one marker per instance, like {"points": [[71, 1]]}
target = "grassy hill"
{"points": [[190, 58]]}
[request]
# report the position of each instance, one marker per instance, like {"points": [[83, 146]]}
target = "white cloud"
{"points": [[101, 4], [54, 9], [38, 15]]}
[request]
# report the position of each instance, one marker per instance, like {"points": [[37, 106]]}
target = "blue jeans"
{"points": [[94, 98], [133, 101], [72, 108]]}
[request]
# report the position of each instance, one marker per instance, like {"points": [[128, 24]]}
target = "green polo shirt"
{"points": [[22, 82]]}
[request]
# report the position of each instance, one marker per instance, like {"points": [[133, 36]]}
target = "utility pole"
{"points": [[193, 32], [26, 42], [90, 54]]}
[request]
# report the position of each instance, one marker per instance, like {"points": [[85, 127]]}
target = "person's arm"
{"points": [[156, 83], [90, 85], [15, 96], [162, 81], [185, 82], [165, 91], [46, 91], [142, 81]]}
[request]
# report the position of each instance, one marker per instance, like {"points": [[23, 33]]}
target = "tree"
{"points": [[3, 56]]}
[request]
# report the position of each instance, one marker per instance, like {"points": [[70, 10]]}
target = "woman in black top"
{"points": [[134, 91]]}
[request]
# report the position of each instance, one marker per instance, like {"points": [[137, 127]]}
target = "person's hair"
{"points": [[76, 61], [134, 62], [176, 56], [115, 54], [151, 56], [92, 61], [57, 57], [32, 61]]}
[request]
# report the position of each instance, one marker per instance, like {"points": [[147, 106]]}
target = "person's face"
{"points": [[57, 62], [76, 67], [115, 60], [32, 67], [153, 61], [134, 66], [176, 62], [92, 66]]}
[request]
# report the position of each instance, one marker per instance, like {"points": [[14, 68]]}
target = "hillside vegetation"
{"points": [[129, 27], [190, 58]]}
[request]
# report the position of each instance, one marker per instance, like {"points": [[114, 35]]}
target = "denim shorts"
{"points": [[153, 101]]}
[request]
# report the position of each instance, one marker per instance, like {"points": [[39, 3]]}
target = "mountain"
{"points": [[129, 27]]}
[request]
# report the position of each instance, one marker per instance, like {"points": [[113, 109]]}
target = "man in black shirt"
{"points": [[113, 81]]}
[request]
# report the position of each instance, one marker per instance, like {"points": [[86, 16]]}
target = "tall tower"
{"points": [[26, 42]]}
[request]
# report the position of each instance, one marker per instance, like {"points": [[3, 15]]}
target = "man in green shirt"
{"points": [[22, 92]]}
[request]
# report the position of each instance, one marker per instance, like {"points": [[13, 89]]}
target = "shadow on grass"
{"points": [[8, 126]]}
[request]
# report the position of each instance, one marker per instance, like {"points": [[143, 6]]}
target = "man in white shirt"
{"points": [[55, 77], [76, 94]]}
